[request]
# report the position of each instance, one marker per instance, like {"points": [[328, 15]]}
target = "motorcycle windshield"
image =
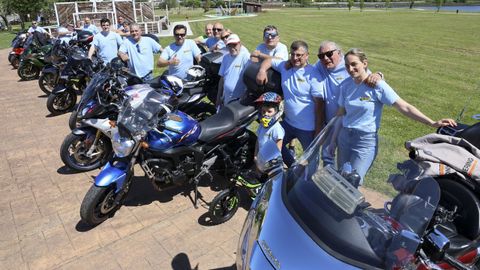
{"points": [[335, 214], [97, 81], [139, 113]]}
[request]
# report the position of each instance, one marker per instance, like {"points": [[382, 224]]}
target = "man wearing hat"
{"points": [[231, 86]]}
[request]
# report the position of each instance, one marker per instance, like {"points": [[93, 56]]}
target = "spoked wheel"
{"points": [[224, 205], [58, 103], [28, 71], [46, 81], [98, 205], [77, 153], [200, 111]]}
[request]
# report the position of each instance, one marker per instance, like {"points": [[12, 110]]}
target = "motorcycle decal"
{"points": [[190, 132], [268, 252]]}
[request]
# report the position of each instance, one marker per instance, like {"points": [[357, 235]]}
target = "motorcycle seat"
{"points": [[224, 121], [459, 244], [471, 134]]}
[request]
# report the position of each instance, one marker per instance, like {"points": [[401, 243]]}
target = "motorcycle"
{"points": [[171, 147], [17, 49], [311, 216], [73, 79], [56, 61]]}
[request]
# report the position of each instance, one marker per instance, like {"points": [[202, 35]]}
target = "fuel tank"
{"points": [[174, 129]]}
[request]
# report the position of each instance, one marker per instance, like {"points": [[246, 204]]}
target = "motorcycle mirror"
{"points": [[435, 245]]}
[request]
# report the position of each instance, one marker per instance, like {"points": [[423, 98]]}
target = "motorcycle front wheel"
{"points": [[46, 81], [74, 152], [28, 71], [72, 120], [58, 103], [98, 205], [224, 206]]}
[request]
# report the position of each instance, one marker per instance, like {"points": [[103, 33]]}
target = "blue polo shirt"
{"points": [[232, 69], [280, 50], [107, 45], [140, 58], [92, 28], [212, 41], [185, 53], [273, 133], [300, 86], [333, 78], [364, 104]]}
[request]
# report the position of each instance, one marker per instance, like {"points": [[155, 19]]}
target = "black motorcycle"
{"points": [[56, 60]]}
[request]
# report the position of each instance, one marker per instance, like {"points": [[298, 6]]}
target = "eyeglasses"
{"points": [[138, 48], [270, 35], [225, 37], [328, 54], [232, 45], [217, 29], [180, 35], [297, 55]]}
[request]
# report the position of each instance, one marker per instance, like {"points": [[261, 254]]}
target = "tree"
{"points": [[387, 4], [350, 5], [206, 6], [26, 9], [362, 5]]}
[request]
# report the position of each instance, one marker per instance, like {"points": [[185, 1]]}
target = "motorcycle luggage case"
{"points": [[274, 83], [211, 62]]}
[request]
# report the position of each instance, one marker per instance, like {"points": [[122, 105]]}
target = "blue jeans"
{"points": [[304, 136], [357, 147]]}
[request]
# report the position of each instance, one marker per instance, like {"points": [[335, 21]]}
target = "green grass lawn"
{"points": [[430, 59]]}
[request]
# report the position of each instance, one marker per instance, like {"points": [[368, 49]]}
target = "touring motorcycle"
{"points": [[311, 217]]}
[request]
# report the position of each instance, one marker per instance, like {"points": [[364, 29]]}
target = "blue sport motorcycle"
{"points": [[171, 147]]}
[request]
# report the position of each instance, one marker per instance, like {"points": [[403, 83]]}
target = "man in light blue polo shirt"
{"points": [[138, 51], [301, 86], [90, 27], [271, 47], [179, 55], [105, 43], [231, 85], [215, 42]]}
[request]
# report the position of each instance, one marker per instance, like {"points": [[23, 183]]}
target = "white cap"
{"points": [[233, 38]]}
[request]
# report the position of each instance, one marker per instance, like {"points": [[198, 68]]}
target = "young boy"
{"points": [[269, 129]]}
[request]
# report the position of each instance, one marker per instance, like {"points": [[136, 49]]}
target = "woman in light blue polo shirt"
{"points": [[361, 107]]}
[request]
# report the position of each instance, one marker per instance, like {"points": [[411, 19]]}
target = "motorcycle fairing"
{"points": [[50, 69], [112, 174]]}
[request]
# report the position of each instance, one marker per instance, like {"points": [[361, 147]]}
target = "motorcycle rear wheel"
{"points": [[62, 102], [74, 148], [224, 206], [98, 205], [11, 57], [46, 81], [28, 72]]}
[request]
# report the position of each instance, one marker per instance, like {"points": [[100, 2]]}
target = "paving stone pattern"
{"points": [[40, 225]]}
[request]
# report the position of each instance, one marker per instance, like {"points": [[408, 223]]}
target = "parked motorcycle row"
{"points": [[304, 217]]}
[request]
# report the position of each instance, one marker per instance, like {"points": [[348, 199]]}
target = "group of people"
{"points": [[338, 84]]}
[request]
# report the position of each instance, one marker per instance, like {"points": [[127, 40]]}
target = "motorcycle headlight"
{"points": [[122, 146]]}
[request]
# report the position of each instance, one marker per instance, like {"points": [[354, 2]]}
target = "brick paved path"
{"points": [[40, 201]]}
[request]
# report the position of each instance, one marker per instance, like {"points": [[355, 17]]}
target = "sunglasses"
{"points": [[180, 35], [327, 54], [217, 29], [138, 48], [270, 35]]}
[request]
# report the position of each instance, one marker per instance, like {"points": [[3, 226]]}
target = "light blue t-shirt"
{"points": [[364, 104], [232, 69], [299, 86], [212, 41], [185, 54], [140, 55], [333, 78], [36, 29], [280, 50], [273, 133], [92, 28], [107, 45]]}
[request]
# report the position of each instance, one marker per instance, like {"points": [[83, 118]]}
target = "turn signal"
{"points": [[144, 145]]}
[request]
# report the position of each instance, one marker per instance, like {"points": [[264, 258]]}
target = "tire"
{"points": [[201, 111], [72, 120], [16, 62], [28, 71], [224, 206], [98, 205], [46, 81], [11, 57], [62, 102], [74, 148]]}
